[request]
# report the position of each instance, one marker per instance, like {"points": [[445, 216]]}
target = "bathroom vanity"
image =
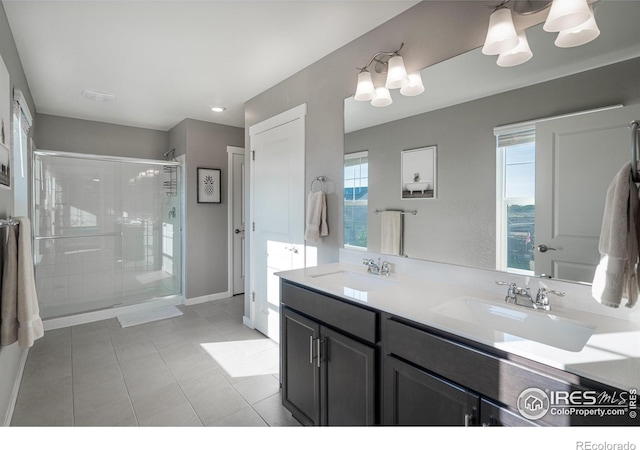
{"points": [[360, 349]]}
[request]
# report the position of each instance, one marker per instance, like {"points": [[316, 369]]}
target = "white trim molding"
{"points": [[206, 298], [282, 118]]}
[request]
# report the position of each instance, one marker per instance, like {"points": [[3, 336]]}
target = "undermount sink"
{"points": [[534, 325], [363, 282], [416, 186]]}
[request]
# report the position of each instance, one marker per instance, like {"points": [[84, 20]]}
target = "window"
{"points": [[356, 190], [516, 199]]}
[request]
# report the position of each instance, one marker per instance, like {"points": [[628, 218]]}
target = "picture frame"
{"points": [[5, 127], [419, 174], [5, 167], [209, 185]]}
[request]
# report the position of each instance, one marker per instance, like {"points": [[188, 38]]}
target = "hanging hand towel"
{"points": [[316, 216], [20, 312], [391, 233], [616, 277]]}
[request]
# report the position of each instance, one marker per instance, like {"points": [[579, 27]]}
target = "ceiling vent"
{"points": [[98, 96]]}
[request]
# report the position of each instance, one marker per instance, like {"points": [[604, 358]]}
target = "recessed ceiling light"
{"points": [[98, 96], [218, 108]]}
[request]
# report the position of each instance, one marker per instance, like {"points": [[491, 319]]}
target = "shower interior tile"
{"points": [[60, 268], [60, 281]]}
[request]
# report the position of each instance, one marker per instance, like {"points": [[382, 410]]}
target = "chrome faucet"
{"points": [[542, 301], [377, 269], [522, 296]]}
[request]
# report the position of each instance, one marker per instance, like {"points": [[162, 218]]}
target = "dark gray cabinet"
{"points": [[299, 371], [494, 415], [414, 397], [328, 377], [416, 352], [347, 364]]}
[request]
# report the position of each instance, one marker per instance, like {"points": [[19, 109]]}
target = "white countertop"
{"points": [[610, 356]]}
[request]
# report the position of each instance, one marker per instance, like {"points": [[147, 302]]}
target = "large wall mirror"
{"points": [[468, 101]]}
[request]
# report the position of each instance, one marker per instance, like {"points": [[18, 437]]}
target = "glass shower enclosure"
{"points": [[106, 231]]}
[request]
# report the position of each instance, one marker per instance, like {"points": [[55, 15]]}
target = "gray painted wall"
{"points": [[10, 356], [65, 134], [206, 235], [459, 226], [432, 31]]}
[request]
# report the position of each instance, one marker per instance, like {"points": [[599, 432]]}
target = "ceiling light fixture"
{"points": [[218, 108], [501, 36], [579, 35], [574, 21], [392, 64], [519, 55]]}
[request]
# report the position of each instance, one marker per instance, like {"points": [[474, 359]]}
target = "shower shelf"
{"points": [[171, 186]]}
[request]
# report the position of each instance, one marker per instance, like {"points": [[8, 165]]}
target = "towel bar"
{"points": [[412, 212], [8, 223]]}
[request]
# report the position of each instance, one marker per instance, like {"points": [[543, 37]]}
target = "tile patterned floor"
{"points": [[204, 368]]}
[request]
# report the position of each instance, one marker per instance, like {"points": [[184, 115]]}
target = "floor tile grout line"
{"points": [[177, 382], [112, 332], [135, 415]]}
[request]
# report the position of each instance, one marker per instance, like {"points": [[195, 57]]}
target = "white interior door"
{"points": [[278, 216], [576, 159], [237, 218]]}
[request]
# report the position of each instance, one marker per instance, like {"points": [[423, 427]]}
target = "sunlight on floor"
{"points": [[245, 358]]}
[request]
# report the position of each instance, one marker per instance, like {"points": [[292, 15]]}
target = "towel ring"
{"points": [[321, 180]]}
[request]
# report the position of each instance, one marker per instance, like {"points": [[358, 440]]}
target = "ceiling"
{"points": [[165, 61], [473, 75]]}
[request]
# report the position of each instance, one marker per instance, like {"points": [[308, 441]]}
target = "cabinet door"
{"points": [[347, 380], [493, 415], [300, 371], [415, 397]]}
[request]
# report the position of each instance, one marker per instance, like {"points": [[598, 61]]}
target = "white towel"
{"points": [[391, 233], [20, 313], [616, 275], [316, 216]]}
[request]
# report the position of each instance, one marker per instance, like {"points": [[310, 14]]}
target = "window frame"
{"points": [[502, 134], [350, 156]]}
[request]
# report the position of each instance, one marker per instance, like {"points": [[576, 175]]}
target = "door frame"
{"points": [[231, 150], [298, 112]]}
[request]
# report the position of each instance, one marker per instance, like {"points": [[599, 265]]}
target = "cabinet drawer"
{"points": [[351, 319], [486, 374]]}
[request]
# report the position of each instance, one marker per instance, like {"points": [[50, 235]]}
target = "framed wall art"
{"points": [[419, 173], [5, 127], [209, 185]]}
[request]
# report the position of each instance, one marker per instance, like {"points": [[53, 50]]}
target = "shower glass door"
{"points": [[104, 231]]}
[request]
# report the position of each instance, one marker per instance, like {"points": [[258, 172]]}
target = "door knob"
{"points": [[543, 248], [237, 230]]}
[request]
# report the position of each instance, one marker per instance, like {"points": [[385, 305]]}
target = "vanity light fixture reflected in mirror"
{"points": [[391, 63], [574, 20], [439, 232]]}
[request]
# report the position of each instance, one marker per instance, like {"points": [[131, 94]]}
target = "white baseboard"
{"points": [[206, 298], [247, 322], [14, 353], [94, 316]]}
